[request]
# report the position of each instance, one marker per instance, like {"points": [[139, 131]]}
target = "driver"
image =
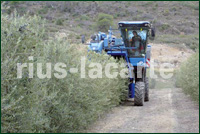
{"points": [[136, 42], [135, 38]]}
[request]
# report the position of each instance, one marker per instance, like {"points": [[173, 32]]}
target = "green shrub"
{"points": [[191, 41], [15, 3], [84, 17], [164, 27], [188, 77], [49, 105], [190, 5], [166, 12], [146, 4], [59, 22], [78, 37], [104, 21], [43, 10], [154, 8], [22, 10]]}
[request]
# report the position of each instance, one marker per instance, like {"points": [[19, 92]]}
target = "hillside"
{"points": [[176, 22]]}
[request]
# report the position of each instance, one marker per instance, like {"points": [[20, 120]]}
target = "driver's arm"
{"points": [[141, 45], [132, 42]]}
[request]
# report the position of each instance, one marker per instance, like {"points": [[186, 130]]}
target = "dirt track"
{"points": [[168, 111]]}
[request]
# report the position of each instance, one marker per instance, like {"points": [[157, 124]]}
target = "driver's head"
{"points": [[134, 33]]}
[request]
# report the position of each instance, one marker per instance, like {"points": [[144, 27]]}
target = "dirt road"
{"points": [[168, 111]]}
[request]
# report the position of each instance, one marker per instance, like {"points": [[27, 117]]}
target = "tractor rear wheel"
{"points": [[139, 93], [146, 96]]}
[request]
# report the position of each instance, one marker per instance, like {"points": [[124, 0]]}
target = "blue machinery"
{"points": [[136, 53]]}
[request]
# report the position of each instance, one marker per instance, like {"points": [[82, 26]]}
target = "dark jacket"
{"points": [[137, 38]]}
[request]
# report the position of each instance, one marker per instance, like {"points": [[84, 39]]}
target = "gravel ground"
{"points": [[168, 111]]}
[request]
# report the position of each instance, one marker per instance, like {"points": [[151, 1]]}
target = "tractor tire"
{"points": [[146, 96], [139, 93]]}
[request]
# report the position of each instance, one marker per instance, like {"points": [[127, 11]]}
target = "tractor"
{"points": [[132, 46]]}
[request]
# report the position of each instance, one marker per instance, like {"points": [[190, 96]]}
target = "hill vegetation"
{"points": [[170, 18]]}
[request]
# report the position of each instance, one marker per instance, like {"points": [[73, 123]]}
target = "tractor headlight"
{"points": [[93, 48]]}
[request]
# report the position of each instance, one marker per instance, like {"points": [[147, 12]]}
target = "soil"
{"points": [[168, 111]]}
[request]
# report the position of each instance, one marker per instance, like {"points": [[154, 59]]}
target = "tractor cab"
{"points": [[135, 34]]}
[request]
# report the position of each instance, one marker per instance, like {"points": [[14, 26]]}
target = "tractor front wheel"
{"points": [[139, 93]]}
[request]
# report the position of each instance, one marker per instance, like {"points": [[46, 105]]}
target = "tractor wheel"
{"points": [[146, 96], [139, 94]]}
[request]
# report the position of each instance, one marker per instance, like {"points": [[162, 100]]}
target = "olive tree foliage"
{"points": [[104, 21], [50, 105], [188, 76], [20, 37]]}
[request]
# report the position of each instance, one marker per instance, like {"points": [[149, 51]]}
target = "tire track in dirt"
{"points": [[168, 111]]}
